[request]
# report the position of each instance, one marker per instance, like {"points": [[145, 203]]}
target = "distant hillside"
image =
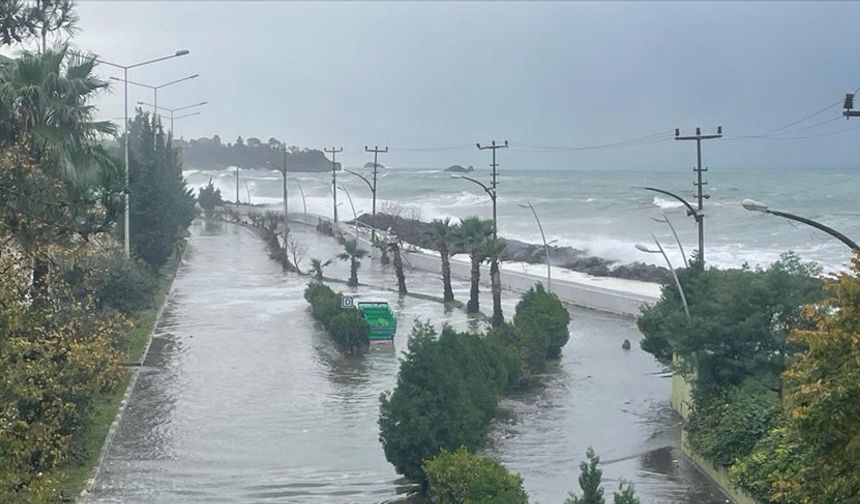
{"points": [[208, 153]]}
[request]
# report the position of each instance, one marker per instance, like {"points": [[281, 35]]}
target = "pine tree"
{"points": [[590, 478]]}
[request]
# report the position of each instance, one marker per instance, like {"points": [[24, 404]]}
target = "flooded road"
{"points": [[242, 398]]}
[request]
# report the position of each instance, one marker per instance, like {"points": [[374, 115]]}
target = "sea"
{"points": [[604, 212]]}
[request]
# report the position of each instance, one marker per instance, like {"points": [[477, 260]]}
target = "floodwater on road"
{"points": [[243, 398]]}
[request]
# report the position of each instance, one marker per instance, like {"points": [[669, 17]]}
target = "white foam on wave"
{"points": [[666, 204]]}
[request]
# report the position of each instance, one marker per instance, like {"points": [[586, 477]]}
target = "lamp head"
{"points": [[754, 206], [182, 52], [643, 248]]}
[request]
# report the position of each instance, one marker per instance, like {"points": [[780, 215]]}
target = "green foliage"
{"points": [[770, 472], [317, 266], [353, 254], [461, 477], [727, 427], [162, 206], [57, 357], [626, 494], [114, 281], [347, 327], [822, 397], [446, 395], [739, 321], [209, 197], [590, 478], [542, 317], [472, 237]]}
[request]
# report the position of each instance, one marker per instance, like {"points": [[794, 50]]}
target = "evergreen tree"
{"points": [[590, 478], [161, 204]]}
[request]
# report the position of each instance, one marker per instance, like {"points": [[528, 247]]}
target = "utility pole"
{"points": [[376, 151], [237, 188], [494, 147], [333, 153], [495, 275], [698, 137], [286, 214]]}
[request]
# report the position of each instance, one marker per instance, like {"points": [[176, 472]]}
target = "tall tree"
{"points": [[442, 238], [472, 237], [822, 397], [495, 248], [590, 479], [161, 205]]}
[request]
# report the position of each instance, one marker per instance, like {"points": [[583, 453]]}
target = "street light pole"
{"points": [[529, 206], [372, 186], [675, 234], [354, 215], [125, 69], [302, 192], [173, 110], [155, 97], [755, 206], [660, 250]]}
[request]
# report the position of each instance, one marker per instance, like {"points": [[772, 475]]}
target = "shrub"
{"points": [[772, 467], [543, 320], [446, 395], [727, 427], [460, 477], [209, 197], [114, 281], [347, 327]]}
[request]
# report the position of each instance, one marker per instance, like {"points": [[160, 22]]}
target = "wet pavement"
{"points": [[243, 398]]}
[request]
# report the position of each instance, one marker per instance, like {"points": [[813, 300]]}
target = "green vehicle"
{"points": [[381, 319]]}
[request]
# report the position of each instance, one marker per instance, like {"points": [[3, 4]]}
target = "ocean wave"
{"points": [[666, 204]]}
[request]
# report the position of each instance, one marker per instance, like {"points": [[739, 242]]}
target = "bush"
{"points": [[446, 396], [726, 428], [347, 327], [544, 321], [772, 467], [460, 477], [114, 281], [209, 198]]}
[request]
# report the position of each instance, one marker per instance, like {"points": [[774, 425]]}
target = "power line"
{"points": [[643, 140]]}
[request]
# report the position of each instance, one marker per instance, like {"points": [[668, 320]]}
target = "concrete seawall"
{"points": [[621, 297]]}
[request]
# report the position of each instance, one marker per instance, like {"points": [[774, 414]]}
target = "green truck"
{"points": [[381, 319]]}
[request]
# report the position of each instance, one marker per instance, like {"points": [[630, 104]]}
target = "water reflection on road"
{"points": [[243, 398]]}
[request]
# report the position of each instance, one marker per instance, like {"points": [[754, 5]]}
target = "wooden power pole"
{"points": [[700, 216], [333, 153]]}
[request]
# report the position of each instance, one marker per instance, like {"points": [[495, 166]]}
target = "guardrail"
{"points": [[606, 299]]}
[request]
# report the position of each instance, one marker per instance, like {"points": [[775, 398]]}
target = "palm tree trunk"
{"points": [[496, 279], [448, 293], [353, 273], [398, 270], [473, 305]]}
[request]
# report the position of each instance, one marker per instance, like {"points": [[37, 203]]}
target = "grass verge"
{"points": [[91, 438]]}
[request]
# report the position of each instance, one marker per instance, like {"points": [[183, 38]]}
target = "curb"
{"points": [[90, 482]]}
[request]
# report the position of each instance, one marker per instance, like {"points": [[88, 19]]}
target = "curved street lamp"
{"points": [[756, 206], [372, 186], [698, 215], [529, 206], [644, 248], [677, 240], [173, 110], [302, 192], [354, 215]]}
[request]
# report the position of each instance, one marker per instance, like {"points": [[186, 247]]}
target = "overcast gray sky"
{"points": [[407, 74]]}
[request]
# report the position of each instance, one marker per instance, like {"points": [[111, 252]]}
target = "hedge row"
{"points": [[449, 385], [347, 327]]}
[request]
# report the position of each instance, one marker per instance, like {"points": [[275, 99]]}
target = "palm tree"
{"points": [[394, 247], [472, 237], [494, 249], [383, 245], [45, 107], [317, 267], [352, 253], [443, 237]]}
